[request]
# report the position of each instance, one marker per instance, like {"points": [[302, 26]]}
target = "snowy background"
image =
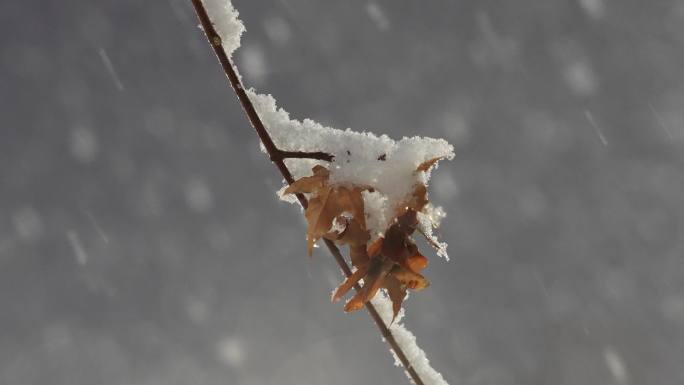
{"points": [[141, 241]]}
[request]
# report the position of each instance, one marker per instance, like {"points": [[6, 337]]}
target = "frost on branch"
{"points": [[407, 341], [225, 19]]}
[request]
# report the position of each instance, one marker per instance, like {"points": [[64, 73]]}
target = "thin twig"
{"points": [[318, 155], [273, 151]]}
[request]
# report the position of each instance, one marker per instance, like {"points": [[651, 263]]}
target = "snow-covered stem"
{"points": [[277, 157]]}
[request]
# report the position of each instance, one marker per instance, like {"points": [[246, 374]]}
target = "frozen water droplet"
{"points": [[278, 30], [594, 8], [580, 78], [231, 352], [378, 16], [616, 366], [83, 144], [77, 246], [198, 196], [27, 223], [253, 64]]}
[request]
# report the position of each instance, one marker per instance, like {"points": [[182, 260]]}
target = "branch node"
{"points": [[276, 156]]}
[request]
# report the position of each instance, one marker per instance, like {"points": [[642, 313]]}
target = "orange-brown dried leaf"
{"points": [[332, 202], [351, 200], [327, 203], [396, 293], [417, 262], [354, 234], [359, 255], [319, 215], [354, 304], [310, 184], [375, 247], [425, 166], [373, 281], [411, 279], [349, 283], [418, 198], [397, 244]]}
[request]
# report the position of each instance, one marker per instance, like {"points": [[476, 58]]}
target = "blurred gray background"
{"points": [[141, 242]]}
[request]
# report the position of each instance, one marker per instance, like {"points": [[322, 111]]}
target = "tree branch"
{"points": [[277, 157], [318, 155]]}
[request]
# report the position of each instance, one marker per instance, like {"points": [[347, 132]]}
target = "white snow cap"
{"points": [[361, 158]]}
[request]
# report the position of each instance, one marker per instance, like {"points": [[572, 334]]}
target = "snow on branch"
{"points": [[389, 177], [407, 341], [225, 19]]}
